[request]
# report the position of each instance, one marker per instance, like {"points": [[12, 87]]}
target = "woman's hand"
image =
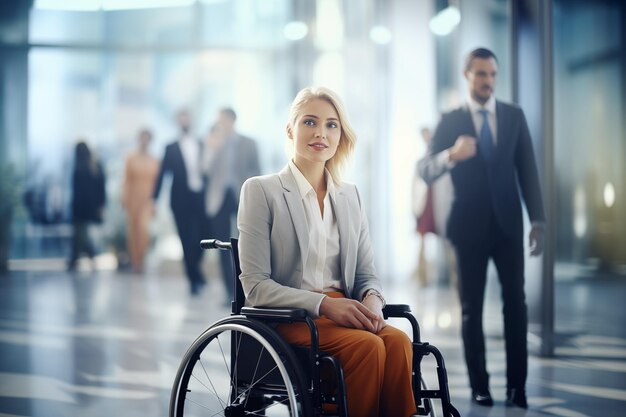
{"points": [[375, 305], [350, 313]]}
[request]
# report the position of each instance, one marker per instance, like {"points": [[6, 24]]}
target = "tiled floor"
{"points": [[108, 344]]}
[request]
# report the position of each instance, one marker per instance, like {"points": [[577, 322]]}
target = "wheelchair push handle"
{"points": [[215, 244]]}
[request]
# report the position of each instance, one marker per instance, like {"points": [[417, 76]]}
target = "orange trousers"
{"points": [[377, 367]]}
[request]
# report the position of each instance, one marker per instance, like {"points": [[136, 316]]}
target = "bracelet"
{"points": [[375, 294]]}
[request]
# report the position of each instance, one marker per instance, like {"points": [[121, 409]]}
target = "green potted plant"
{"points": [[9, 199]]}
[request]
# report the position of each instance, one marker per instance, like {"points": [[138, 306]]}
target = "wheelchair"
{"points": [[240, 366]]}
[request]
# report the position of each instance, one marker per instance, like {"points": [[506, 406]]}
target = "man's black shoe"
{"points": [[482, 398], [516, 397]]}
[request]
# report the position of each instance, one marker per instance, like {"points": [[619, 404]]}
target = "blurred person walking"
{"points": [[182, 161], [230, 158], [140, 173], [486, 147], [88, 200]]}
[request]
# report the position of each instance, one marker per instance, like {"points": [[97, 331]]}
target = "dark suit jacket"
{"points": [[88, 193], [174, 163], [481, 190]]}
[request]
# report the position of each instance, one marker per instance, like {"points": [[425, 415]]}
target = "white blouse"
{"points": [[322, 270]]}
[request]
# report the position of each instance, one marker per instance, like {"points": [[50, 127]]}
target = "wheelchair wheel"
{"points": [[239, 367]]}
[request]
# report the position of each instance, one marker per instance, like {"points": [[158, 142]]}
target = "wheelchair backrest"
{"points": [[240, 299]]}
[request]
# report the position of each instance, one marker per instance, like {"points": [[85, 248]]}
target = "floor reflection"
{"points": [[99, 343]]}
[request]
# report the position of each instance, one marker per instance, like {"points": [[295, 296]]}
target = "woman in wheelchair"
{"points": [[304, 242]]}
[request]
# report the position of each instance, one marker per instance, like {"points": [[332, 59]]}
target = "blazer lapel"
{"points": [[340, 207], [296, 210], [501, 125], [468, 123]]}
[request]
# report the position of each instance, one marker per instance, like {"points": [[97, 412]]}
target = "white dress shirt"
{"points": [[477, 118], [190, 149], [322, 270]]}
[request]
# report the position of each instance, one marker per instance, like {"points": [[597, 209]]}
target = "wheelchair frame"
{"points": [[301, 387]]}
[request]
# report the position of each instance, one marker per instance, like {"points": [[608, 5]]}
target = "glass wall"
{"points": [[102, 74], [590, 135]]}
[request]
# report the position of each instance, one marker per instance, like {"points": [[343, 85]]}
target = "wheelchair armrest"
{"points": [[403, 311], [275, 313], [396, 310]]}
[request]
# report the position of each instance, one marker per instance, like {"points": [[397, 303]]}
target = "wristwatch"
{"points": [[375, 293]]}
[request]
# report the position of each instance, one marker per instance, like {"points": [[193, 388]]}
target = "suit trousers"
{"points": [[377, 367], [473, 257], [191, 228]]}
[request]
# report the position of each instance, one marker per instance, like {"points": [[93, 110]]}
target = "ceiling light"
{"points": [[294, 31], [380, 35], [143, 4], [445, 21], [68, 5], [609, 194], [108, 5]]}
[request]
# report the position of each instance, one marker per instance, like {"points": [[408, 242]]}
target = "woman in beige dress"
{"points": [[139, 177]]}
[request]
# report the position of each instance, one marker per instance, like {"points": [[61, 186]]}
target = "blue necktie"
{"points": [[485, 140]]}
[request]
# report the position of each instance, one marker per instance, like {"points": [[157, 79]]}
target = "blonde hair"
{"points": [[347, 140]]}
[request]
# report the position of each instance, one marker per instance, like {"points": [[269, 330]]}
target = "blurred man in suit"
{"points": [[486, 147], [182, 160], [229, 159]]}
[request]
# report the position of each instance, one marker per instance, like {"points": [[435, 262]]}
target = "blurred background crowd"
{"points": [[111, 73]]}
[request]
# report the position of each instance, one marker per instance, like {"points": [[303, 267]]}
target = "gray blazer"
{"points": [[273, 243]]}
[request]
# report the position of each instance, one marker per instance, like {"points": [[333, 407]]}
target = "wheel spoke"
{"points": [[256, 368], [260, 410], [222, 403], [231, 374], [213, 415], [254, 413], [258, 389], [237, 360], [223, 357], [255, 383], [203, 406]]}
